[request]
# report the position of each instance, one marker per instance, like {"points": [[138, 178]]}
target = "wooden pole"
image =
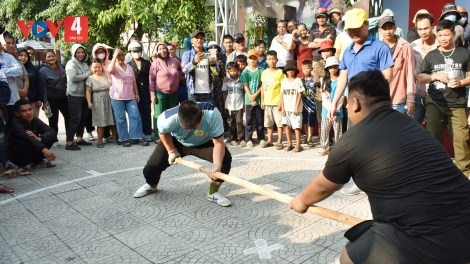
{"points": [[342, 218]]}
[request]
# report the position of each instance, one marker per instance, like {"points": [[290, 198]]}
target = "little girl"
{"points": [[328, 88]]}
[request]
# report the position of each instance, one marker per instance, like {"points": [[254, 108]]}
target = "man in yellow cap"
{"points": [[413, 34]]}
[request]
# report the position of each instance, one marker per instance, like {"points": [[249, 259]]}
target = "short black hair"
{"points": [[20, 103], [189, 114], [24, 50], [371, 85], [8, 35], [240, 58], [259, 42], [425, 16], [134, 37], [293, 21], [48, 50], [228, 36], [271, 53], [232, 64], [29, 48], [307, 62], [445, 24], [96, 60], [283, 21], [301, 24]]}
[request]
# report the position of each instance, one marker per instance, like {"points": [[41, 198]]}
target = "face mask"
{"points": [[101, 56], [452, 18], [136, 55], [462, 21]]}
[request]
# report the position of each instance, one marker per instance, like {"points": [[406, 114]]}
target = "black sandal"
{"points": [[126, 143], [143, 142]]}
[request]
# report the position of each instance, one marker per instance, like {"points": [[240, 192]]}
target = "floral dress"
{"points": [[102, 114]]}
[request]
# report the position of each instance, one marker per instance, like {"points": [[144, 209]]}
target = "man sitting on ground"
{"points": [[418, 197], [29, 140]]}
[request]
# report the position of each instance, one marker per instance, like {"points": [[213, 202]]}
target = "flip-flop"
{"points": [[23, 171], [297, 149], [43, 164], [279, 146], [4, 189], [288, 148], [8, 174]]}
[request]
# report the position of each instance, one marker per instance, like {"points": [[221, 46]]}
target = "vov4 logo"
{"points": [[75, 28]]}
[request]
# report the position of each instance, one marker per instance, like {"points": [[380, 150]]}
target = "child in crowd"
{"points": [[234, 102], [328, 88], [271, 98], [241, 61], [308, 99], [251, 77], [291, 104]]}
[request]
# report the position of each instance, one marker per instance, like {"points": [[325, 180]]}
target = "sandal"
{"points": [[279, 146], [288, 148], [43, 164], [99, 145], [8, 174], [243, 143], [158, 141], [263, 143], [126, 143], [249, 144], [234, 143], [297, 148], [143, 142], [23, 171], [323, 152], [4, 189], [310, 144]]}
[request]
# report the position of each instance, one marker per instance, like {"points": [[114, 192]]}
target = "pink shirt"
{"points": [[122, 87], [164, 76]]}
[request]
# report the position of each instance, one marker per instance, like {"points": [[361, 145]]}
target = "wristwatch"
{"points": [[280, 41]]}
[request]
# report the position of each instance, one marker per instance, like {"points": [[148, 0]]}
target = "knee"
{"points": [[344, 257]]}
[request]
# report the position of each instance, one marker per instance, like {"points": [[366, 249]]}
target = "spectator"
{"points": [[447, 70], [282, 45], [374, 25], [364, 54], [135, 39], [342, 41], [182, 89], [55, 81], [141, 69], [164, 79], [402, 88], [97, 95], [291, 26], [421, 47], [32, 56], [335, 15], [36, 84], [450, 12], [124, 98], [227, 42], [319, 32], [240, 48], [413, 34], [29, 140], [308, 100], [199, 70], [234, 101], [464, 23], [77, 72], [301, 47], [260, 47], [5, 93], [242, 62]]}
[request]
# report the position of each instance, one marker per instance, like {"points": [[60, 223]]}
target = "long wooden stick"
{"points": [[342, 218]]}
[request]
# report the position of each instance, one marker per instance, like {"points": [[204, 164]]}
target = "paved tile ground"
{"points": [[82, 211]]}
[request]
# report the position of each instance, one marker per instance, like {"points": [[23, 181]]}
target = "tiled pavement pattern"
{"points": [[96, 219]]}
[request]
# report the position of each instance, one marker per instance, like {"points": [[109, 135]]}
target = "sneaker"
{"points": [[105, 140], [144, 190], [219, 199], [84, 143], [249, 144], [56, 145], [72, 147], [90, 137], [353, 190], [147, 138]]}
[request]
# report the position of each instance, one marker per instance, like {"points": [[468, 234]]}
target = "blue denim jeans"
{"points": [[400, 108], [420, 108], [206, 98], [120, 107]]}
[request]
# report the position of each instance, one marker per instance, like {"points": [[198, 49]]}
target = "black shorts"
{"points": [[308, 118], [383, 243]]}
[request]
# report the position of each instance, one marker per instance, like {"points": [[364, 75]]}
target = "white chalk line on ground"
{"points": [[95, 174]]}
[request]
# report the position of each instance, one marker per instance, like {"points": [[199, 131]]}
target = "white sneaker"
{"points": [[90, 137], [56, 145], [144, 190], [219, 199], [353, 190]]}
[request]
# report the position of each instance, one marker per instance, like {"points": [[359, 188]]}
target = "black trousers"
{"points": [[158, 161], [145, 112], [89, 126], [57, 105], [21, 153], [78, 108], [236, 129]]}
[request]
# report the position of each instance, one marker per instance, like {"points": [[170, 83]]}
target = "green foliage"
{"points": [[256, 28]]}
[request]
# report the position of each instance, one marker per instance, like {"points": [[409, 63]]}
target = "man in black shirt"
{"points": [[447, 71], [418, 197], [29, 140]]}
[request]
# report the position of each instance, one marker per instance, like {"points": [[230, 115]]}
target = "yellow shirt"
{"points": [[272, 86]]}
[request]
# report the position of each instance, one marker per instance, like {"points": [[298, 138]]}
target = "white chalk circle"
{"points": [[262, 248]]}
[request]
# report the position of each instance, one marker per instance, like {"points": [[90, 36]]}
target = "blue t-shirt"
{"points": [[211, 126], [373, 55], [324, 111]]}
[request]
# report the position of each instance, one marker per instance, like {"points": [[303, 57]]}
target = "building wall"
{"points": [[400, 11]]}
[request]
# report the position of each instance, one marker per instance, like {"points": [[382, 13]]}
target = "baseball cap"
{"points": [[336, 10], [331, 61], [321, 11], [197, 31], [354, 18], [252, 53], [420, 12], [386, 19], [134, 46], [237, 37]]}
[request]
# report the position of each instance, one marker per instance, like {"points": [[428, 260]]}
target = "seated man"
{"points": [[29, 140], [190, 129], [418, 197]]}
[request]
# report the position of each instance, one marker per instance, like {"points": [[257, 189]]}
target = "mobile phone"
{"points": [[207, 55]]}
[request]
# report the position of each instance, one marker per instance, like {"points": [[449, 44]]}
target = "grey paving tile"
{"points": [[120, 222], [194, 257], [128, 257], [7, 255], [168, 249], [66, 256], [97, 250], [46, 209], [39, 249], [141, 236], [73, 196], [23, 228]]}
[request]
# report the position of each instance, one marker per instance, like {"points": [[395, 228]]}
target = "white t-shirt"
{"points": [[283, 55], [290, 90], [201, 80]]}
